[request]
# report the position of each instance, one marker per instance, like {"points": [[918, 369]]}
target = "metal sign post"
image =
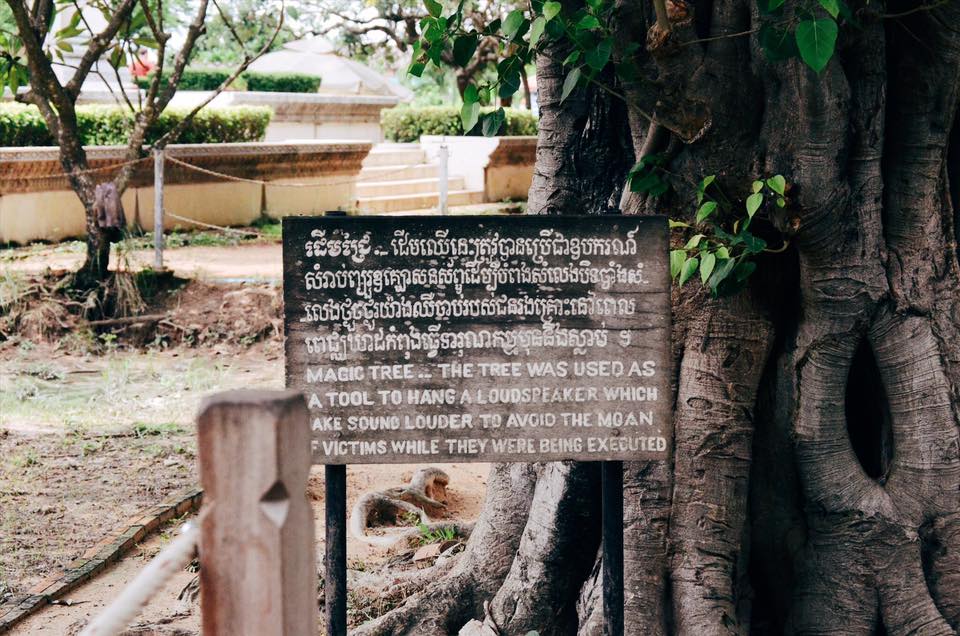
{"points": [[611, 494], [335, 549]]}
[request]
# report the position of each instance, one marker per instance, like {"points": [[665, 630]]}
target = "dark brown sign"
{"points": [[480, 338]]}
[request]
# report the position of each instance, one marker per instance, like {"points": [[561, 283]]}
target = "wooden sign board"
{"points": [[527, 338]]}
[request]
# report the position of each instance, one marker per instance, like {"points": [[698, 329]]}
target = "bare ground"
{"points": [[96, 424]]}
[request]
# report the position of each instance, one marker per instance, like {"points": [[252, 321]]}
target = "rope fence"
{"points": [[150, 580], [212, 226], [160, 158]]}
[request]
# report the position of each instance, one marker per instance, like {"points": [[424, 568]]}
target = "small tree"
{"points": [[29, 55]]}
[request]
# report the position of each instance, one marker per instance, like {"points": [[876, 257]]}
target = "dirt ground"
{"points": [[257, 262], [98, 424], [466, 491]]}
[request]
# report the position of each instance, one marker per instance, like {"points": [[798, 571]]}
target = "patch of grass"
{"points": [[25, 459], [441, 534], [145, 429]]}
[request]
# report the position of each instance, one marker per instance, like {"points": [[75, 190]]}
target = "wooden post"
{"points": [[335, 542], [611, 495], [258, 574]]}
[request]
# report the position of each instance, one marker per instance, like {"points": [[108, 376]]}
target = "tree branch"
{"points": [[98, 44]]}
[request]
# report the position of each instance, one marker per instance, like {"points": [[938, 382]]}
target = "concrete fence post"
{"points": [[258, 574], [444, 176], [158, 209]]}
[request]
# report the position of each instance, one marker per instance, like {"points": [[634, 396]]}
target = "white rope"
{"points": [[148, 582], [212, 226]]}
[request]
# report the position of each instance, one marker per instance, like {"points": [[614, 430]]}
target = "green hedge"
{"points": [[193, 79], [22, 125], [281, 82], [404, 123]]}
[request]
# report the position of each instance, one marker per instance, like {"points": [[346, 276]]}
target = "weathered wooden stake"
{"points": [[258, 572], [335, 580], [611, 495]]}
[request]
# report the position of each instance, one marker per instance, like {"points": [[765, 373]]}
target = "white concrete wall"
{"points": [[45, 209], [294, 130], [488, 163]]}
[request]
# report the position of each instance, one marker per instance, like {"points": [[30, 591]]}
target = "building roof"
{"points": [[340, 75]]}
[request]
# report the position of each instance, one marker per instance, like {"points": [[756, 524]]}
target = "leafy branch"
{"points": [[724, 254]]}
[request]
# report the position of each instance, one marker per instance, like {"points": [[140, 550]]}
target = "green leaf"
{"points": [[689, 269], [644, 181], [757, 186], [831, 6], [596, 5], [702, 187], [693, 242], [722, 253], [706, 210], [661, 187], [434, 8], [597, 57], [536, 30], [492, 122], [753, 203], [677, 258], [513, 23], [416, 69], [744, 269], [781, 202], [432, 32], [469, 115], [707, 262], [816, 41], [721, 273], [588, 23], [572, 58], [753, 244], [464, 47], [674, 224], [509, 83], [551, 10], [471, 94], [570, 83], [777, 183], [777, 43]]}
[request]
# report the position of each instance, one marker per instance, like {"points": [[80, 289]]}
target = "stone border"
{"points": [[98, 558]]}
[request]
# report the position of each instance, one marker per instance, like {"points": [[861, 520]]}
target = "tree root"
{"points": [[455, 598], [425, 494]]}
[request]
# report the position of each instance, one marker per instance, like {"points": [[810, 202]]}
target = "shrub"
{"points": [[281, 82], [98, 125], [193, 79], [404, 123]]}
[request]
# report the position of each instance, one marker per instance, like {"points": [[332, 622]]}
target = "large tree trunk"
{"points": [[815, 480]]}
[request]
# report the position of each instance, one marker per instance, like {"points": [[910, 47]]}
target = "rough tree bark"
{"points": [[815, 480]]}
